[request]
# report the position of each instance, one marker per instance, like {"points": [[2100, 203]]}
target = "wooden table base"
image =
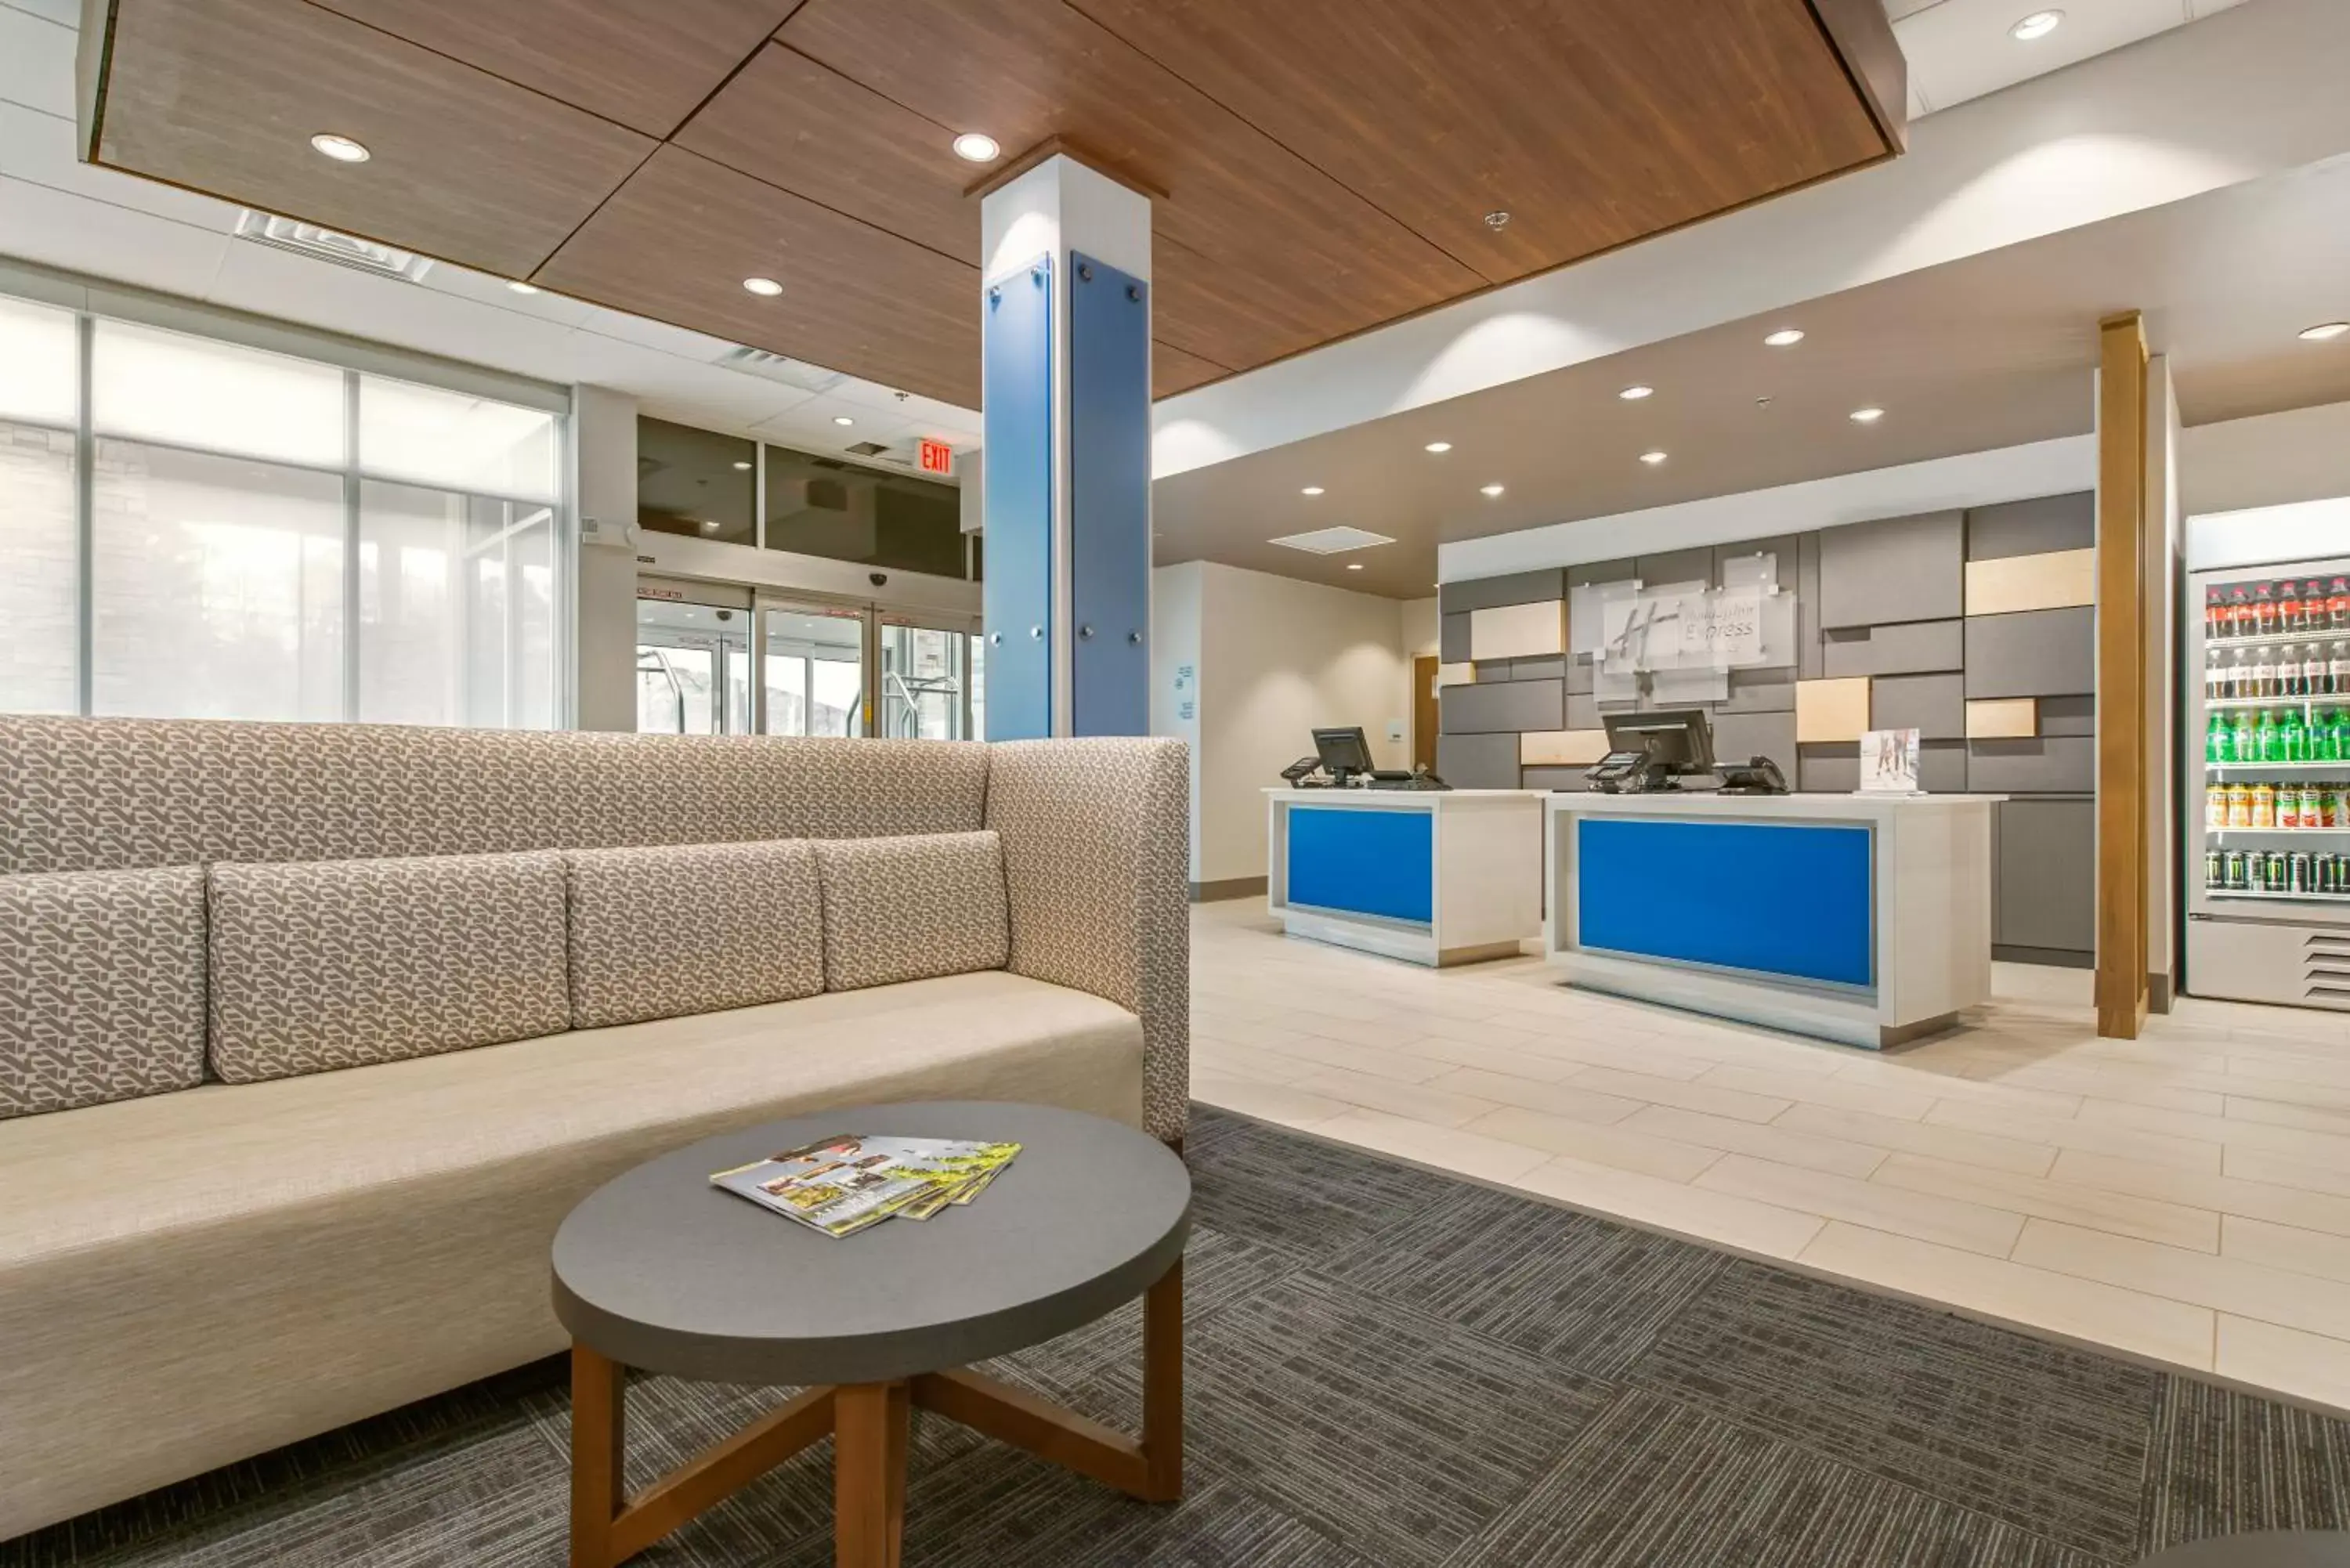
{"points": [[867, 1422]]}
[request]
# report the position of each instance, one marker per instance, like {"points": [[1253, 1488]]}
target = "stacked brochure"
{"points": [[838, 1185]]}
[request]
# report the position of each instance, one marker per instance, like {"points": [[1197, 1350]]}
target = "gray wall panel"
{"points": [[1580, 674], [1692, 565], [1808, 656], [1491, 593], [1738, 736], [2043, 878], [1582, 711], [1942, 767], [2033, 653], [1910, 647], [2068, 715], [1832, 768], [1787, 547], [1933, 705], [2033, 528], [1600, 572], [2052, 765], [1764, 689], [1478, 761], [1452, 638], [1538, 670], [1510, 705], [1904, 568], [1553, 778]]}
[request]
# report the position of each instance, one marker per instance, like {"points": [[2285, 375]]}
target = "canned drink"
{"points": [[2238, 875], [2273, 871], [2296, 874], [2215, 873]]}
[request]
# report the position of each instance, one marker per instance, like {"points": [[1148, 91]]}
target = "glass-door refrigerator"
{"points": [[2267, 757]]}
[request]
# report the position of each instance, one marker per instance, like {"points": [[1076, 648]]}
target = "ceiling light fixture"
{"points": [[843, 421], [1652, 458], [341, 149], [1491, 490], [1634, 394], [521, 287], [742, 468], [1354, 566], [1785, 338], [1867, 416], [1439, 446], [1311, 490], [2038, 25], [1497, 219], [972, 147], [2325, 332], [767, 287]]}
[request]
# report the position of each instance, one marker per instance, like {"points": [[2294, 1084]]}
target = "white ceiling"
{"points": [[62, 213], [1959, 50]]}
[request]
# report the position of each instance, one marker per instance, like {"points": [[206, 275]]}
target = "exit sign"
{"points": [[937, 457]]}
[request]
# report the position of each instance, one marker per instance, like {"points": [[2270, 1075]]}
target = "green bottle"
{"points": [[2293, 737], [2324, 739], [2246, 748], [2337, 736], [2271, 741], [2219, 741]]}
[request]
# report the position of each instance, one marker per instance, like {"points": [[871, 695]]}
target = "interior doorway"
{"points": [[1423, 712]]}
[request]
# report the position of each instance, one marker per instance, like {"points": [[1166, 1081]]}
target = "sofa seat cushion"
{"points": [[660, 932], [237, 1265], [913, 908], [342, 963], [101, 987]]}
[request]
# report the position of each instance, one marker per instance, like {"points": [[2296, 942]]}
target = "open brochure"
{"points": [[842, 1184]]}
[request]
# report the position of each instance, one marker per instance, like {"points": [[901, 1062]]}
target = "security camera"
{"points": [[876, 578], [726, 615]]}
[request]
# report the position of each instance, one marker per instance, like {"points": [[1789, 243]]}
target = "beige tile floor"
{"points": [[2183, 1197]]}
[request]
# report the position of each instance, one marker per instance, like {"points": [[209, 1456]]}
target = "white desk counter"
{"points": [[1437, 877], [1861, 919]]}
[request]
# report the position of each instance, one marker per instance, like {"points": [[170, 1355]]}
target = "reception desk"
{"points": [[1864, 919], [1436, 877]]}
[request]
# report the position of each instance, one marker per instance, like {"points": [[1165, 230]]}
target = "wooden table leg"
{"points": [[869, 1421], [1162, 1386], [598, 1439]]}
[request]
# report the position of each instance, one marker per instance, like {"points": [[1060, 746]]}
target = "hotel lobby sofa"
{"points": [[311, 1034]]}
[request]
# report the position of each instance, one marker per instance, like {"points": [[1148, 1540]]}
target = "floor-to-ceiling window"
{"points": [[196, 528]]}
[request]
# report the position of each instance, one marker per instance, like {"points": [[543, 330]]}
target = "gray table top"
{"points": [[660, 1270]]}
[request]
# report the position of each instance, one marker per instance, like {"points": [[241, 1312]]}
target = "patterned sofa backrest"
{"points": [[111, 793]]}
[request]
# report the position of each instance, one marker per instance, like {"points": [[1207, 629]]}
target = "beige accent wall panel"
{"points": [[2055, 581], [1560, 748], [1462, 674], [2003, 718], [1831, 709], [1518, 631]]}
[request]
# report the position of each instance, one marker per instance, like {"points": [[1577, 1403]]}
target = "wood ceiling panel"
{"points": [[791, 122], [1591, 122], [644, 63], [1267, 222], [676, 242], [224, 96], [1173, 371]]}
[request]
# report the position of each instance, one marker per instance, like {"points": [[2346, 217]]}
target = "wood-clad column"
{"points": [[2121, 678]]}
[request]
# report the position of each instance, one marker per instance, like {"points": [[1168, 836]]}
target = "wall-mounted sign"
{"points": [[935, 457]]}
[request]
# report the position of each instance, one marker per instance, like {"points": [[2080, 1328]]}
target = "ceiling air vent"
{"points": [[1331, 541], [325, 245], [780, 367], [866, 449]]}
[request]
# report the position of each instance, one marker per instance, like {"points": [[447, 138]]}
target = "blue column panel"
{"points": [[1364, 862], [1109, 499], [1017, 387], [1788, 900]]}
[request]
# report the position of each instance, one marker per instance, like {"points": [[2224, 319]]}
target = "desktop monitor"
{"points": [[1343, 751], [1680, 738]]}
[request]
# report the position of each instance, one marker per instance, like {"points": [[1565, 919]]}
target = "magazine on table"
{"points": [[842, 1184]]}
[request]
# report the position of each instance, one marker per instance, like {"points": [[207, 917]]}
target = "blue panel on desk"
{"points": [[1109, 498], [1364, 862], [1016, 384], [1793, 899]]}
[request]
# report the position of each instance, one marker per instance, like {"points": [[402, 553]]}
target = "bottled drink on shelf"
{"points": [[2307, 814], [2241, 621], [2326, 735], [2267, 743], [2329, 806], [2215, 615], [2264, 676], [2263, 812], [2247, 744], [2220, 739], [2293, 737], [2337, 671], [2291, 616], [2288, 672], [2264, 610], [2337, 604], [2240, 806]]}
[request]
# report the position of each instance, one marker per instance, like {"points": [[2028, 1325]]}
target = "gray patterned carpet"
{"points": [[1388, 1369]]}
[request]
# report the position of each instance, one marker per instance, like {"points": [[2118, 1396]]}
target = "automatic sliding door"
{"points": [[926, 679], [694, 668], [815, 668]]}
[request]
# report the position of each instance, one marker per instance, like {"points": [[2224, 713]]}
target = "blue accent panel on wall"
{"points": [[1109, 498], [1016, 383], [1790, 899], [1364, 862]]}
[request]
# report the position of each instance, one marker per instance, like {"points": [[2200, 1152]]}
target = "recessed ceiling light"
{"points": [[341, 149], [1311, 490], [1491, 490], [1785, 338], [1497, 219], [1439, 446], [1354, 566], [1867, 416], [1652, 458], [2038, 25], [2326, 332], [742, 467], [842, 419], [763, 286], [972, 147], [521, 287], [1634, 394]]}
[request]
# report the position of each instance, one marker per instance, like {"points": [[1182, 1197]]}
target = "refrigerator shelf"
{"points": [[2277, 898], [2279, 639], [2273, 832], [2337, 764], [2335, 699]]}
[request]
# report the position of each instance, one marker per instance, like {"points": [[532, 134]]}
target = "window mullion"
{"points": [[350, 546]]}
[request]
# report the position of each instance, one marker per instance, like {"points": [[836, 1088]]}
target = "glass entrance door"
{"points": [[693, 666], [927, 685], [814, 663]]}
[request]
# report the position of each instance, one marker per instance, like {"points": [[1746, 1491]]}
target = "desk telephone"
{"points": [[1300, 774]]}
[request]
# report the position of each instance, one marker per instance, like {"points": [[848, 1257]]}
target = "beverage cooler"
{"points": [[2268, 762]]}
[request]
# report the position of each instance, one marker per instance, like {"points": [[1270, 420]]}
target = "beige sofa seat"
{"points": [[228, 1267]]}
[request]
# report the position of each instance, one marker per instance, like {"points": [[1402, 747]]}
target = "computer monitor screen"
{"points": [[1681, 737], [1343, 752]]}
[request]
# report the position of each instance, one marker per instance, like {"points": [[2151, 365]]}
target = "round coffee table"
{"points": [[660, 1270]]}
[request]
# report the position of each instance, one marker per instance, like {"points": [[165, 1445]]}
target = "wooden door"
{"points": [[1423, 712]]}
